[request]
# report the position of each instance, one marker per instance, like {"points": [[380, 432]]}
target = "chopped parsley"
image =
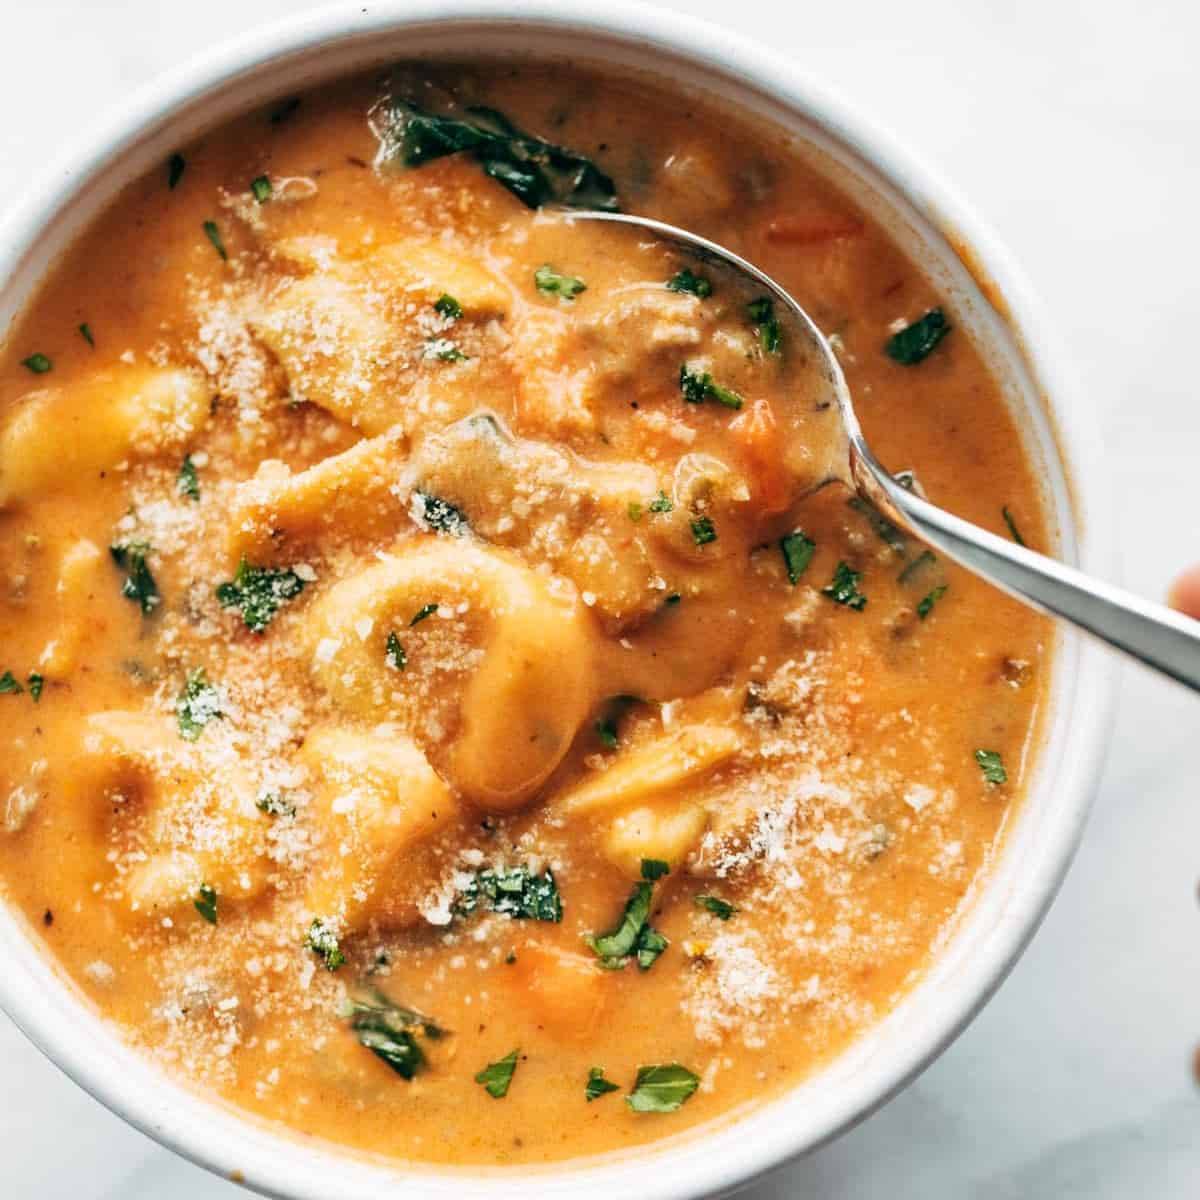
{"points": [[992, 766], [39, 364], [444, 350], [274, 804], [446, 306], [259, 592], [761, 312], [214, 235], [606, 731], [654, 869], [550, 283], [633, 936], [537, 172], [426, 610], [139, 585], [925, 606], [394, 654], [9, 685], [721, 909], [36, 684], [188, 483], [197, 704], [703, 531], [261, 187], [513, 892], [797, 549], [926, 557], [914, 343], [323, 942], [662, 1088], [673, 599], [206, 903], [884, 529], [1012, 526], [635, 511], [85, 332], [698, 386], [440, 515], [388, 1030], [661, 503], [597, 1085], [844, 588], [691, 283], [496, 1076], [176, 165]]}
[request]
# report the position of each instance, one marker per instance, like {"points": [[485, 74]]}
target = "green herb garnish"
{"points": [[762, 316], [550, 283], [661, 503], [206, 903], [85, 332], [844, 588], [388, 1031], [635, 511], [188, 483], [198, 703], [36, 684], [992, 766], [662, 1089], [440, 515], [673, 599], [426, 610], [633, 936], [721, 909], [1012, 526], [139, 585], [916, 342], [176, 165], [274, 804], [537, 172], [496, 1076], [323, 942], [261, 187], [444, 350], [214, 235], [9, 685], [926, 557], [259, 592], [597, 1085], [513, 892], [39, 364], [698, 386], [606, 731], [691, 283], [394, 654], [446, 306], [925, 606], [797, 549], [703, 531], [654, 869]]}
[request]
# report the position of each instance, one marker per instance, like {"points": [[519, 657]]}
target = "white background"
{"points": [[1074, 127]]}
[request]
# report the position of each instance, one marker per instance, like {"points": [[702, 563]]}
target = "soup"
{"points": [[448, 710]]}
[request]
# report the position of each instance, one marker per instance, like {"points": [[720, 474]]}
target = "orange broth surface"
{"points": [[395, 576]]}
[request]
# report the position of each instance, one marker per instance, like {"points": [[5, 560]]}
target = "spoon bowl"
{"points": [[1150, 633]]}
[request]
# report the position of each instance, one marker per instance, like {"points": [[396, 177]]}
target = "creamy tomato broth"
{"points": [[443, 715]]}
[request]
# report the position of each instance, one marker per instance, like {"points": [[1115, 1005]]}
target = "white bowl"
{"points": [[927, 219]]}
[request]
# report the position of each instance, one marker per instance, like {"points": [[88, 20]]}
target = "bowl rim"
{"points": [[279, 1164]]}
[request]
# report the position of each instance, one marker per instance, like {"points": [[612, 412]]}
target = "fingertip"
{"points": [[1185, 593]]}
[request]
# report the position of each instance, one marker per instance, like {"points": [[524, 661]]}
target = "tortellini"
{"points": [[525, 699], [61, 437], [376, 804], [200, 826]]}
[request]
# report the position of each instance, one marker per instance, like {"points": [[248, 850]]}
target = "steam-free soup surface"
{"points": [[438, 690]]}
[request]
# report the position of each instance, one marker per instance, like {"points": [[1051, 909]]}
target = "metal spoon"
{"points": [[1151, 633]]}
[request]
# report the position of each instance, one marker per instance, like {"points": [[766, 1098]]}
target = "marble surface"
{"points": [[1073, 125]]}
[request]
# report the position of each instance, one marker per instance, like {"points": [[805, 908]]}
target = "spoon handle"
{"points": [[1152, 633]]}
